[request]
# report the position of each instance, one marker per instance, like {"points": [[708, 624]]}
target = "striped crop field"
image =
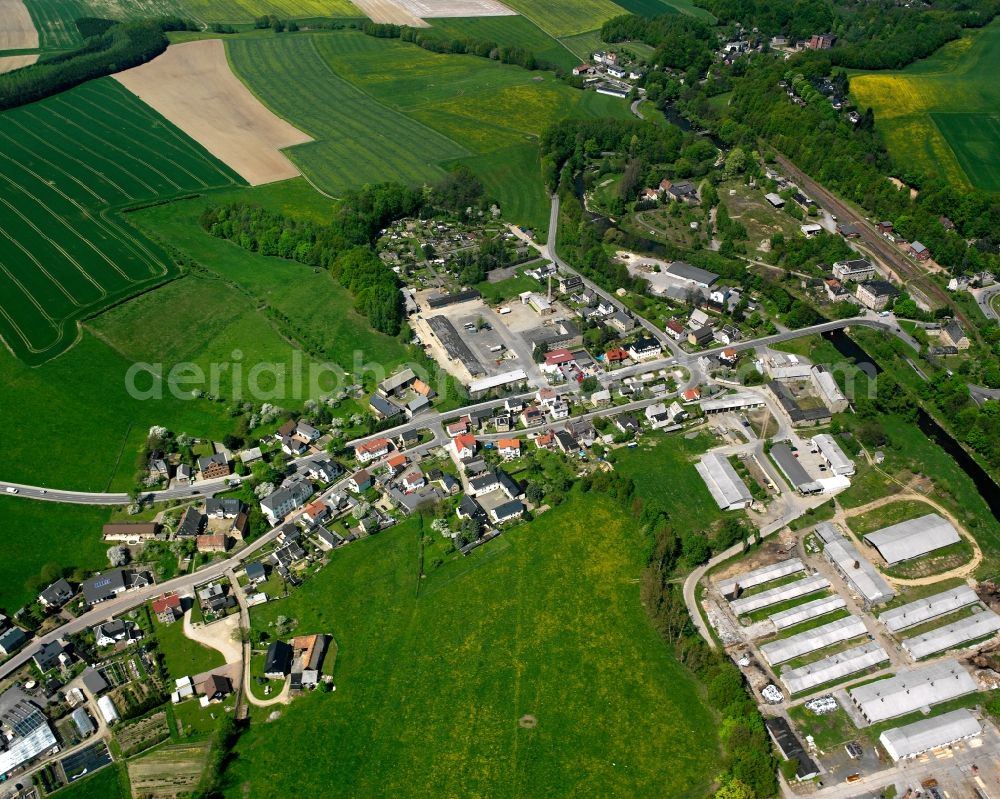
{"points": [[941, 114], [383, 109], [509, 32], [567, 17], [357, 139], [66, 164], [56, 19]]}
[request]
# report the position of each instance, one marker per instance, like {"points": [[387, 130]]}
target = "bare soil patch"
{"points": [[389, 11], [413, 12], [170, 771], [192, 85], [9, 63], [17, 31], [527, 721]]}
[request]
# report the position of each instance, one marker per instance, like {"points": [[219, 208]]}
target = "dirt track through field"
{"points": [[17, 31], [192, 85], [9, 63]]}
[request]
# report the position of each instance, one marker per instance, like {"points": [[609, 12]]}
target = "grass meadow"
{"points": [[567, 17], [182, 656], [527, 669], [108, 783], [509, 31], [39, 533], [458, 108], [65, 163], [940, 114]]}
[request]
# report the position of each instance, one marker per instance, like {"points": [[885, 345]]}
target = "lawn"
{"points": [[509, 32], [506, 676], [886, 515], [67, 161], [108, 783], [182, 656], [940, 114], [40, 533], [495, 293]]}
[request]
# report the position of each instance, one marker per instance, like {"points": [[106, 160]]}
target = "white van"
{"points": [[11, 490], [504, 311]]}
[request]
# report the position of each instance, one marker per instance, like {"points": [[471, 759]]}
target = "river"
{"points": [[985, 484]]}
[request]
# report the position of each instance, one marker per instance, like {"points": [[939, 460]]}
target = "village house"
{"points": [[952, 335], [414, 480], [290, 496], [675, 329], [213, 466], [701, 337], [370, 450], [56, 595], [117, 631], [621, 322], [458, 428], [316, 512], [507, 512], [691, 394], [532, 416], [215, 542], [323, 471], [251, 455], [293, 446], [191, 524], [876, 294], [360, 481], [394, 464], [464, 446], [167, 608], [545, 441], [223, 508], [729, 356], [920, 252], [643, 349], [509, 448]]}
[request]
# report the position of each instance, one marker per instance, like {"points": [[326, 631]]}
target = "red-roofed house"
{"points": [[370, 450], [316, 511], [395, 463], [729, 355], [691, 394], [211, 543], [414, 480], [675, 330], [465, 446], [546, 396], [509, 447], [458, 428], [556, 359], [167, 608], [545, 441], [616, 356]]}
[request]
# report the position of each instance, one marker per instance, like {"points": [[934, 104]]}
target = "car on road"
{"points": [[11, 490]]}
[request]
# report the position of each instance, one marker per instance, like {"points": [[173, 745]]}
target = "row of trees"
{"points": [[120, 46], [483, 48]]}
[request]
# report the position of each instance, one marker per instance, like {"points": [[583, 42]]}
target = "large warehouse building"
{"points": [[861, 577], [980, 625], [806, 611], [913, 538], [912, 689], [764, 574], [921, 610], [834, 667], [922, 736], [782, 593], [726, 487], [810, 640], [835, 458], [794, 471]]}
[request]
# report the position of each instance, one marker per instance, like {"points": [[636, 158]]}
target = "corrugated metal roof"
{"points": [[913, 538], [807, 585], [840, 464], [912, 689], [926, 734], [834, 667], [792, 469], [811, 640], [762, 575], [726, 487], [809, 610], [978, 626], [930, 607], [864, 579]]}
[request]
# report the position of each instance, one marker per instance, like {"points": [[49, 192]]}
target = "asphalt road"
{"points": [[985, 299]]}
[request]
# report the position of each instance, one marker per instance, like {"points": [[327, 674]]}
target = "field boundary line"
{"points": [[31, 257], [374, 99], [53, 166]]}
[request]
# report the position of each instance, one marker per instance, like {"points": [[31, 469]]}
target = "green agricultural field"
{"points": [[509, 32], [65, 163], [567, 17], [584, 45], [459, 108], [940, 114], [527, 669], [46, 534], [99, 426], [56, 19], [357, 139]]}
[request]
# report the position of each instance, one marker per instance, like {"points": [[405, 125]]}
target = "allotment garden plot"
{"points": [[65, 164]]}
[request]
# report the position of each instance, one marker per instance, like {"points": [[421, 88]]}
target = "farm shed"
{"points": [[981, 625], [834, 667], [913, 538], [810, 640], [912, 689], [803, 587], [921, 736], [921, 610], [764, 574], [726, 487], [809, 610]]}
